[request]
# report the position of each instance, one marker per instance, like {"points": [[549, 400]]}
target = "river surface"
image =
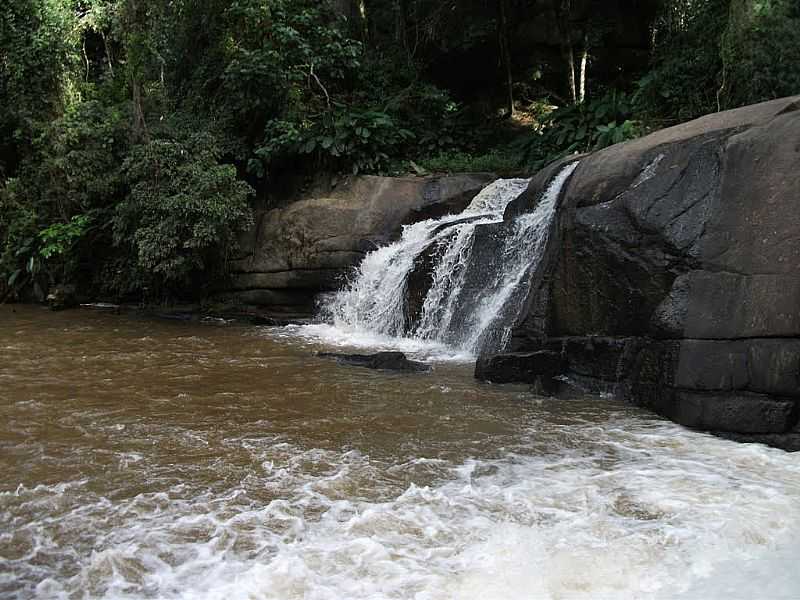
{"points": [[145, 459]]}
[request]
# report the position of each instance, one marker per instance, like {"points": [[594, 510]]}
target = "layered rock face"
{"points": [[673, 277], [295, 253]]}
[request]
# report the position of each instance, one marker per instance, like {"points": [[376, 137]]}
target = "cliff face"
{"points": [[295, 253], [673, 277]]}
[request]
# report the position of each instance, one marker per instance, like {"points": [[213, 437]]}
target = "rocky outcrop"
{"points": [[382, 361], [673, 276], [297, 252]]}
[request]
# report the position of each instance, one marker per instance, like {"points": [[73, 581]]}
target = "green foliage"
{"points": [[503, 162], [296, 89], [36, 39], [170, 205], [19, 257], [359, 140], [581, 128], [75, 164], [719, 54], [184, 209], [683, 81], [71, 175], [325, 102], [59, 238], [760, 52], [131, 130], [281, 62]]}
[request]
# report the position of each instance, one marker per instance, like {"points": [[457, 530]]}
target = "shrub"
{"points": [[63, 195], [184, 209], [581, 128], [501, 162], [760, 52]]}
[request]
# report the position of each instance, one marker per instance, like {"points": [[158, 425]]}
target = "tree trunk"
{"points": [[139, 123], [563, 10], [401, 25], [363, 11], [569, 63], [136, 20], [108, 54], [582, 67], [505, 56]]}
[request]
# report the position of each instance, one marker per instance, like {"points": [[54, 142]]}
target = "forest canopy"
{"points": [[137, 135]]}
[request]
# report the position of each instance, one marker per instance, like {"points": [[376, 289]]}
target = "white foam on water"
{"points": [[372, 305], [335, 337], [629, 509], [522, 252], [447, 283]]}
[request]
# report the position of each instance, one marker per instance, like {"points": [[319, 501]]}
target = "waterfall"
{"points": [[471, 291]]}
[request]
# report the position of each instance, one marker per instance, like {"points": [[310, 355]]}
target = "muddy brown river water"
{"points": [[150, 459]]}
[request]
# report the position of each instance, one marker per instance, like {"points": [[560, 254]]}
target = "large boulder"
{"points": [[676, 259], [296, 252]]}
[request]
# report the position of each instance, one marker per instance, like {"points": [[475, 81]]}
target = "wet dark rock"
{"points": [[786, 441], [384, 361], [447, 195], [275, 321], [529, 199], [742, 412], [672, 274], [180, 316], [420, 280], [537, 368], [62, 297], [456, 222]]}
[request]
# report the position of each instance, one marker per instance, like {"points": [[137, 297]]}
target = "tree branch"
{"points": [[313, 75]]}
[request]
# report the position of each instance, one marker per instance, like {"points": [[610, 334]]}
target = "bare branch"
{"points": [[319, 83]]}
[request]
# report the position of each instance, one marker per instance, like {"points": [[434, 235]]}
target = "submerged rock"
{"points": [[384, 361], [277, 321], [672, 276]]}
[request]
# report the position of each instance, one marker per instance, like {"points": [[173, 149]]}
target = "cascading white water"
{"points": [[521, 252], [373, 301], [454, 312]]}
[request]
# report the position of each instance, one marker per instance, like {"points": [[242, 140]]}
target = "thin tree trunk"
{"points": [[569, 62], [86, 59], [582, 68], [139, 123], [401, 21], [505, 55], [563, 9], [363, 12], [108, 54]]}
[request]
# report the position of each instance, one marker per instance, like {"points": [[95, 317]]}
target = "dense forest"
{"points": [[137, 135]]}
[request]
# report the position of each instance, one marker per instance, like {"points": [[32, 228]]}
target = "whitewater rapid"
{"points": [[623, 509], [180, 462]]}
